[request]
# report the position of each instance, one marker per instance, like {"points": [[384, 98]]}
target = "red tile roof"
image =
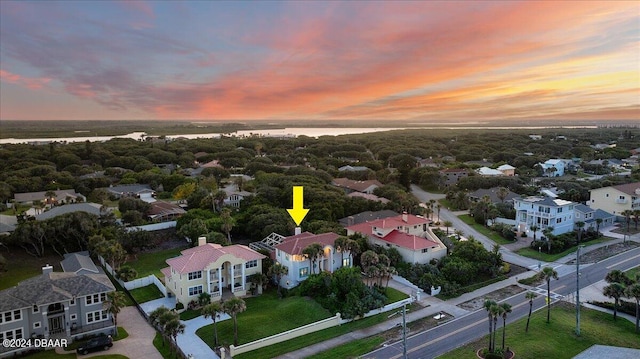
{"points": [[408, 241], [198, 258], [295, 244], [391, 222]]}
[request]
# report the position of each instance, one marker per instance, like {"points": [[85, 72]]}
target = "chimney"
{"points": [[298, 230], [47, 269], [405, 217], [350, 221], [202, 241]]}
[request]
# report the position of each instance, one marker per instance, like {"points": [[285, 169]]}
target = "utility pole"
{"points": [[404, 331], [578, 291]]}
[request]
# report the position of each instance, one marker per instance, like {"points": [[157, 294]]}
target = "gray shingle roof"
{"points": [[92, 208], [79, 263], [367, 216]]}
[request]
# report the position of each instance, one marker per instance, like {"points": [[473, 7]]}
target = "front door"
{"points": [[56, 325]]}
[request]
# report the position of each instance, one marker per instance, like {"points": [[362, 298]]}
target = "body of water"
{"points": [[282, 132]]}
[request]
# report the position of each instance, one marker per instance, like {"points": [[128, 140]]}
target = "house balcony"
{"points": [[76, 330], [543, 215], [621, 201], [215, 293], [237, 272]]}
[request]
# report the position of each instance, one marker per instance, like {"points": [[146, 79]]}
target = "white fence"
{"points": [[153, 227], [136, 283], [310, 328]]}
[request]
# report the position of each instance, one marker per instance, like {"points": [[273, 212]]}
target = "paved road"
{"points": [[462, 330]]}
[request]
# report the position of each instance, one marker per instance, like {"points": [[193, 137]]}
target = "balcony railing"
{"points": [[621, 200], [237, 272], [89, 327], [215, 293]]}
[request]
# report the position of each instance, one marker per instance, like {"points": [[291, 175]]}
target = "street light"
{"points": [[578, 290], [404, 329]]}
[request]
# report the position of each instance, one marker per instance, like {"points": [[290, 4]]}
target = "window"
{"points": [[11, 316], [558, 220], [560, 210], [195, 275], [425, 250], [96, 298], [36, 325], [621, 197], [346, 262], [73, 317], [304, 272], [11, 334], [97, 316], [36, 309], [73, 301], [195, 290], [251, 264]]}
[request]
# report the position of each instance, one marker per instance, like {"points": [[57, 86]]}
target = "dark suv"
{"points": [[103, 342]]}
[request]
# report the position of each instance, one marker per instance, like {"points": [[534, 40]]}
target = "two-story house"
{"points": [[544, 212], [590, 217], [616, 199], [451, 176], [553, 167], [356, 186], [407, 233], [289, 254], [211, 268], [57, 305]]}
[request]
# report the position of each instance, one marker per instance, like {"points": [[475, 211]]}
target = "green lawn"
{"points": [[633, 272], [21, 266], [190, 314], [314, 338], [266, 315], [145, 294], [151, 262], [352, 349], [492, 235], [163, 347], [532, 253], [394, 295], [557, 339]]}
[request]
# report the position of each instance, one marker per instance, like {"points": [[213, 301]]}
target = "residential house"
{"points": [[211, 268], [162, 211], [544, 212], [590, 217], [553, 167], [451, 176], [7, 224], [368, 196], [488, 172], [616, 199], [57, 305], [407, 233], [348, 168], [289, 254], [141, 191], [366, 216], [428, 162], [493, 194], [91, 208], [356, 186], [507, 170], [234, 195], [60, 196], [535, 137]]}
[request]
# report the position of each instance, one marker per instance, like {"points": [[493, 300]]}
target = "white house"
{"points": [[407, 233], [543, 212], [553, 167], [616, 199], [289, 254], [211, 268]]}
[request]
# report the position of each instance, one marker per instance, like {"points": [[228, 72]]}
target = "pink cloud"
{"points": [[28, 82]]}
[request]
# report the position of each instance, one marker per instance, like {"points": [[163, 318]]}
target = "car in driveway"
{"points": [[103, 342]]}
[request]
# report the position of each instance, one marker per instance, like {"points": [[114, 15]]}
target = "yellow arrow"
{"points": [[298, 213]]}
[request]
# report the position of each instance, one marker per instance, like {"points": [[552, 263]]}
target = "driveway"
{"points": [[139, 343]]}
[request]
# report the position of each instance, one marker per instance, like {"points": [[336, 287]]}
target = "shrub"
{"points": [[179, 306]]}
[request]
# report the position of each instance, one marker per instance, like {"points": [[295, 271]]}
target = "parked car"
{"points": [[103, 342]]}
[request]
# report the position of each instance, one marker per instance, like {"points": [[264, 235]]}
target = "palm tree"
{"points": [[218, 199], [227, 223], [212, 310], [502, 194], [313, 252], [531, 296], [353, 247], [488, 305], [173, 328], [614, 290], [618, 276], [127, 273], [232, 307], [598, 223], [458, 233], [204, 298], [548, 232], [627, 216], [340, 244], [369, 259], [506, 309], [633, 291], [534, 228], [277, 270], [547, 273], [636, 217], [579, 225], [496, 311], [447, 224], [439, 207], [114, 304]]}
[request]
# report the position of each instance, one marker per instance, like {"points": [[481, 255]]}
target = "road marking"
{"points": [[626, 260]]}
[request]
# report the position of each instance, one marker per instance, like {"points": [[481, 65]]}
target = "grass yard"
{"points": [[147, 293], [21, 266], [557, 339], [633, 272], [266, 315], [394, 295], [351, 350], [151, 262], [492, 235], [532, 253], [190, 314], [163, 347]]}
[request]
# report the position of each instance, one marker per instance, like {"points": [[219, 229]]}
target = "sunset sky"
{"points": [[244, 60]]}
